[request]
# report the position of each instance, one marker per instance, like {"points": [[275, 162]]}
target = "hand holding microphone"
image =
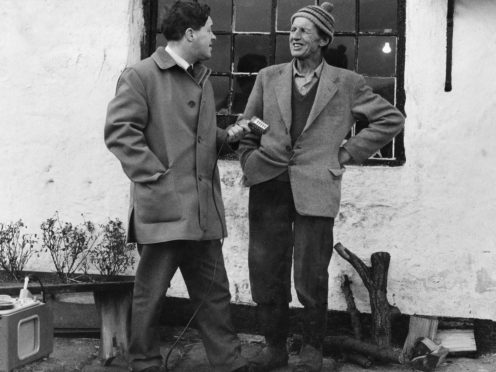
{"points": [[243, 126]]}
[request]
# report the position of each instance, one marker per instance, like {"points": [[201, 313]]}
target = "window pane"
{"points": [[385, 87], [387, 152], [221, 54], [341, 53], [251, 52], [220, 12], [282, 49], [377, 55], [285, 9], [378, 15], [242, 89], [252, 15], [344, 14], [221, 92]]}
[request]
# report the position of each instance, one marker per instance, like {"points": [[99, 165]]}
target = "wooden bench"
{"points": [[113, 303]]}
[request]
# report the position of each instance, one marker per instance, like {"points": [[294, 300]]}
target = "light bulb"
{"points": [[386, 48]]}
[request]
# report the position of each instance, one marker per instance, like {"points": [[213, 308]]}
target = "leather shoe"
{"points": [[310, 360], [153, 369], [245, 368], [269, 358]]}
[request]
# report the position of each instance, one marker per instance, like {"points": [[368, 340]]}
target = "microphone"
{"points": [[257, 126]]}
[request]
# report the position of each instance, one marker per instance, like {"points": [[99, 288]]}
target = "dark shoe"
{"points": [[152, 369], [271, 357], [310, 360], [246, 368]]}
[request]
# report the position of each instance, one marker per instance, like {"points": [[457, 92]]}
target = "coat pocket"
{"points": [[158, 201], [316, 190], [337, 172]]}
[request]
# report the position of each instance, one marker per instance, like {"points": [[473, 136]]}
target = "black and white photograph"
{"points": [[248, 185]]}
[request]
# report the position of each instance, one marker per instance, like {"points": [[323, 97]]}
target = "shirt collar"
{"points": [[317, 72], [177, 58]]}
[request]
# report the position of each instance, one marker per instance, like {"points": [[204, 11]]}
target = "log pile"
{"points": [[355, 349], [419, 350]]}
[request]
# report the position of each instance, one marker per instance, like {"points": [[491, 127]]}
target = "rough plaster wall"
{"points": [[59, 63], [433, 214], [447, 227]]}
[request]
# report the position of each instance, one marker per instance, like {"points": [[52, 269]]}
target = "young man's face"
{"points": [[202, 42], [304, 39]]}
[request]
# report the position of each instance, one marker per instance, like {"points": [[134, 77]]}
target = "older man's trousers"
{"points": [[202, 267], [277, 232]]}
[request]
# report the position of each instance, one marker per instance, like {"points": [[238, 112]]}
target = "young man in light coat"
{"points": [[161, 125], [294, 172]]}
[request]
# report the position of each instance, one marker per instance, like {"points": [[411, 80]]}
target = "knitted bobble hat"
{"points": [[320, 15]]}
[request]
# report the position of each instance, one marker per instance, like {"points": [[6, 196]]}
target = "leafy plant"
{"points": [[69, 246], [112, 255], [15, 248]]}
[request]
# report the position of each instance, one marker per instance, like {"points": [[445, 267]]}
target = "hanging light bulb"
{"points": [[386, 48]]}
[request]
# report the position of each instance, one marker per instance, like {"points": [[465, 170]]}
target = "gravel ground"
{"points": [[81, 354]]}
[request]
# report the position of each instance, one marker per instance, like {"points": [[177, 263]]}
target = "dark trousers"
{"points": [[277, 232], [199, 262]]}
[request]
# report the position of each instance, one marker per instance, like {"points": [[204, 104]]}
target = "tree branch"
{"points": [[359, 266]]}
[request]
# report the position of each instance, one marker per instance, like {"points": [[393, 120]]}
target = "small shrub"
{"points": [[15, 248], [112, 255], [69, 246]]}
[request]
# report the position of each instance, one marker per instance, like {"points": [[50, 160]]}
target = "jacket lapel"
{"points": [[282, 89], [325, 91]]}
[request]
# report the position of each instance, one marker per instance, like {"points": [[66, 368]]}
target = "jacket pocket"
{"points": [[158, 201], [337, 172]]}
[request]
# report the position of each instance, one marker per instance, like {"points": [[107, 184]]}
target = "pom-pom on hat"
{"points": [[320, 15]]}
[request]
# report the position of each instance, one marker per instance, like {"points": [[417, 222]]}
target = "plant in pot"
{"points": [[69, 247], [16, 248], [112, 256]]}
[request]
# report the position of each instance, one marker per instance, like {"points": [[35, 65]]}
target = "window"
{"points": [[252, 34]]}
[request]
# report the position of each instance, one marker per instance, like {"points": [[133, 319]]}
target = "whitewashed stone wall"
{"points": [[59, 62]]}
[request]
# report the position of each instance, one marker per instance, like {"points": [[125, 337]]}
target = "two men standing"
{"points": [[161, 126]]}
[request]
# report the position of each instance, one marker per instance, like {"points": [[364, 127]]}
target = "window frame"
{"points": [[148, 46]]}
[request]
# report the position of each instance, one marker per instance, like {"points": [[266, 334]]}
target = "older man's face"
{"points": [[304, 39]]}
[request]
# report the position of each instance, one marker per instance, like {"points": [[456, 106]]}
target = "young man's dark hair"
{"points": [[183, 15]]}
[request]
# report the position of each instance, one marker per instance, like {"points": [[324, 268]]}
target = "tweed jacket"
{"points": [[312, 162], [161, 125]]}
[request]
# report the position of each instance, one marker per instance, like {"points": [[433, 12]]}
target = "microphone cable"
{"points": [[186, 327]]}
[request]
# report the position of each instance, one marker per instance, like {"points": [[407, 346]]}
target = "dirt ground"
{"points": [[81, 354]]}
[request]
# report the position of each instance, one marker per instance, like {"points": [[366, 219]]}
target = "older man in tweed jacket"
{"points": [[294, 172]]}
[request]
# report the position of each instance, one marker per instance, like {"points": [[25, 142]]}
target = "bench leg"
{"points": [[115, 312]]}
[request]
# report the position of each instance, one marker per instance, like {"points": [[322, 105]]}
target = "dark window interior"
{"points": [[252, 34]]}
